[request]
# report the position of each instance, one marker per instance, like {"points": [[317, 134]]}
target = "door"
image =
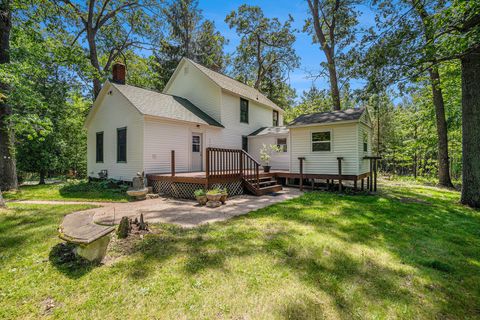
{"points": [[196, 151]]}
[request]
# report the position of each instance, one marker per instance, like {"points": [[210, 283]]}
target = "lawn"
{"points": [[79, 190], [411, 252]]}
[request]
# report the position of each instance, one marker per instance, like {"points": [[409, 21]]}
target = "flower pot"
{"points": [[223, 198], [202, 200], [266, 169], [214, 197]]}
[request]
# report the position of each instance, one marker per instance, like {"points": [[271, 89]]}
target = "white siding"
{"points": [[163, 136], [190, 83], [364, 165], [231, 135], [115, 112], [280, 160], [344, 144]]}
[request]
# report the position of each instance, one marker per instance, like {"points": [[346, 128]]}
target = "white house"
{"points": [[132, 130]]}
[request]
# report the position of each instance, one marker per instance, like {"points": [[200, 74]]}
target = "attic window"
{"points": [[365, 142], [321, 141], [275, 118], [243, 110]]}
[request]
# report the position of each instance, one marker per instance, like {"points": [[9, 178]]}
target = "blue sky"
{"points": [[310, 54]]}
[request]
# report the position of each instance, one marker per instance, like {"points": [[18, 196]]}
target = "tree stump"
{"points": [[2, 202]]}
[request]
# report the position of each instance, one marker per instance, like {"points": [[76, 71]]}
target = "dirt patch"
{"points": [[119, 248], [48, 305]]}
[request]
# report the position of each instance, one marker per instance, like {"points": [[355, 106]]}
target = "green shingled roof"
{"points": [[158, 104]]}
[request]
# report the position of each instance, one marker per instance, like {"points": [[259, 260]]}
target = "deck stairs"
{"points": [[266, 184]]}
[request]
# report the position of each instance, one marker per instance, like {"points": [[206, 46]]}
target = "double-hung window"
{"points": [[122, 144], [245, 143], [275, 118], [321, 141], [282, 144], [243, 110], [99, 153]]}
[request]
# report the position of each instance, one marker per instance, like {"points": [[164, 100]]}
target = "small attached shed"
{"points": [[322, 138]]}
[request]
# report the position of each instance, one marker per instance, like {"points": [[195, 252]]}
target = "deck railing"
{"points": [[227, 163]]}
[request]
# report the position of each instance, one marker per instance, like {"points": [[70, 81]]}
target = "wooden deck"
{"points": [[236, 170]]}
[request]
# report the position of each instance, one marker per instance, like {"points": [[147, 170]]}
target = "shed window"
{"points": [[122, 145], [321, 141], [245, 143], [365, 142], [282, 144], [243, 110], [99, 156], [275, 118]]}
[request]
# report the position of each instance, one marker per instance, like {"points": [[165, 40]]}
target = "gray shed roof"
{"points": [[328, 117], [157, 104], [236, 86], [269, 130]]}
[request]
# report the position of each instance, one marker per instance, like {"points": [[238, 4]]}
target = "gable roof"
{"points": [[328, 117], [269, 130], [158, 104], [234, 86]]}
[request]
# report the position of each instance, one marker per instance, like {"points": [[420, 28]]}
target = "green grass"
{"points": [[412, 252], [69, 191]]}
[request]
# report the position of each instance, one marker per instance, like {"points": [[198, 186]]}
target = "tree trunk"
{"points": [[2, 202], [471, 128], [443, 161], [332, 71], [92, 46], [42, 177], [8, 172]]}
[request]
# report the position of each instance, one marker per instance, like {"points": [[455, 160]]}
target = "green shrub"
{"points": [[214, 191], [199, 193]]}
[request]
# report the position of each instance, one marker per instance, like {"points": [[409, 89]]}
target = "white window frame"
{"points": [[321, 131], [284, 146]]}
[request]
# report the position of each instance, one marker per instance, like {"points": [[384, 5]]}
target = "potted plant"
{"points": [[266, 154], [214, 195], [201, 196], [224, 196]]}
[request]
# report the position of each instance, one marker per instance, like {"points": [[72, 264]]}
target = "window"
{"points": [[365, 142], [122, 145], [275, 118], [282, 144], [245, 143], [195, 143], [243, 110], [321, 141], [99, 146]]}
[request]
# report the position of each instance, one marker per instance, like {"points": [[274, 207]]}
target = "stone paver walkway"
{"points": [[185, 213]]}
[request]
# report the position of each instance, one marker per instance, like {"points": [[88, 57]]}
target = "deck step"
{"points": [[269, 189]]}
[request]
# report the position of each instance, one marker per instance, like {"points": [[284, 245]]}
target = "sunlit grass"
{"points": [[411, 252], [71, 191]]}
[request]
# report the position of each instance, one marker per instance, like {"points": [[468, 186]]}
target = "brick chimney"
{"points": [[118, 73]]}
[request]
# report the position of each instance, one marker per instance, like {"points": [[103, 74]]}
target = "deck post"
{"points": [[355, 184], [301, 172], [371, 175], [340, 187], [172, 163], [375, 175], [363, 184]]}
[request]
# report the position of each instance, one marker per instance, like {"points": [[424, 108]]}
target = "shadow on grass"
{"points": [[63, 258], [435, 239]]}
